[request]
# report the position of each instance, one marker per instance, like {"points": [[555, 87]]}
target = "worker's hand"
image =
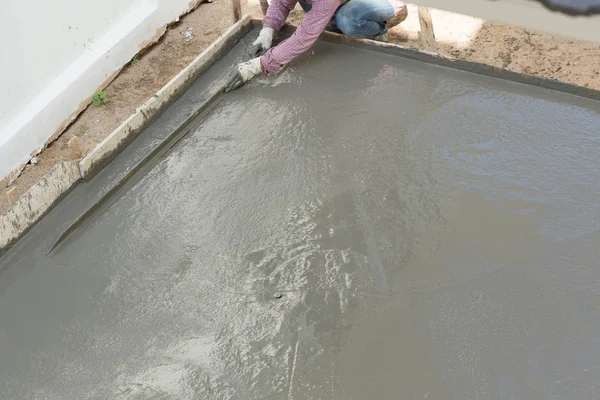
{"points": [[243, 73], [262, 43]]}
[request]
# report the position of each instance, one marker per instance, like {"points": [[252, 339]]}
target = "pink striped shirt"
{"points": [[306, 34]]}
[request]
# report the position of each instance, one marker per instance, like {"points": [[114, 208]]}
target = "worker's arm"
{"points": [[306, 35], [277, 13]]}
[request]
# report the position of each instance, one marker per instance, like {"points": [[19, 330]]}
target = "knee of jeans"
{"points": [[349, 24]]}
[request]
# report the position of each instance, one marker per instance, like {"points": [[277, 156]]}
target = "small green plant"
{"points": [[100, 98], [134, 60]]}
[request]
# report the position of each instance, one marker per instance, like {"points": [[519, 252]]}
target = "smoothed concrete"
{"points": [[360, 226]]}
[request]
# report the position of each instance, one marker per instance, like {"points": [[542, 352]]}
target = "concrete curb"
{"points": [[40, 199], [450, 62], [133, 125], [462, 65]]}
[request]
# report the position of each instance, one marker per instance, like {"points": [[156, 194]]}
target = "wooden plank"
{"points": [[237, 10], [264, 6], [12, 195], [426, 35]]}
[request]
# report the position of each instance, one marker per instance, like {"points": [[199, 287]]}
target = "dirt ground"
{"points": [[503, 46]]}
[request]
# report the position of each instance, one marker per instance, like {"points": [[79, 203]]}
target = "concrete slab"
{"points": [[309, 238]]}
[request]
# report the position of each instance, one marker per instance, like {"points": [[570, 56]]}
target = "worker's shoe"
{"points": [[381, 38], [398, 18]]}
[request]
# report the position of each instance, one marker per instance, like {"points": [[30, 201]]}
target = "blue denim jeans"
{"points": [[363, 19]]}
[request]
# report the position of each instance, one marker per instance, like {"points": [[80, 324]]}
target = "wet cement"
{"points": [[361, 226]]}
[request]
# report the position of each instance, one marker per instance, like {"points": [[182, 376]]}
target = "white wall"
{"points": [[41, 47], [54, 54]]}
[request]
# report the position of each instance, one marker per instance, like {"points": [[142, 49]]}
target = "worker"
{"points": [[365, 19]]}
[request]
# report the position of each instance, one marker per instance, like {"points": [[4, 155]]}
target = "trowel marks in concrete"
{"points": [[360, 227]]}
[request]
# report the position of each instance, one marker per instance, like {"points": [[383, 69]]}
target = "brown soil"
{"points": [[518, 50], [533, 53], [499, 45]]}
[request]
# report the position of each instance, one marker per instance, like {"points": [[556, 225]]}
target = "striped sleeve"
{"points": [[306, 35], [277, 13]]}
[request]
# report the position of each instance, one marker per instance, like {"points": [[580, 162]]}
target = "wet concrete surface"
{"points": [[360, 226]]}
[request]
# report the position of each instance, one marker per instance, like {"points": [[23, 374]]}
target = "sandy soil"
{"points": [[458, 36]]}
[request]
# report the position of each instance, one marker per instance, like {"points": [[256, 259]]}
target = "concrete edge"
{"points": [[462, 65], [468, 66], [48, 191], [37, 201], [133, 125]]}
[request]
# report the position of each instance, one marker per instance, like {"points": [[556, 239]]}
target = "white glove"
{"points": [[249, 69], [265, 38], [245, 71]]}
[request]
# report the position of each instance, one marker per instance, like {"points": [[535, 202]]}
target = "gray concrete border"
{"points": [[467, 66]]}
